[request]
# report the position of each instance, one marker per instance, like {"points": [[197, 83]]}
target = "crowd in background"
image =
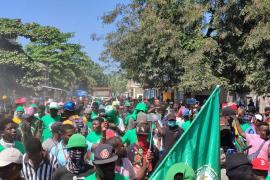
{"points": [[121, 139]]}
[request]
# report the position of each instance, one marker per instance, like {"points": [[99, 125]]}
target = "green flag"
{"points": [[198, 147]]}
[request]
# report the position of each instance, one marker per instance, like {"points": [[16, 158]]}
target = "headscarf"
{"points": [[76, 161]]}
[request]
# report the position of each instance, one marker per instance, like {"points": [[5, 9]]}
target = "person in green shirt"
{"points": [[127, 112], [105, 162], [130, 137], [187, 122], [95, 135], [48, 120], [94, 113], [9, 135]]}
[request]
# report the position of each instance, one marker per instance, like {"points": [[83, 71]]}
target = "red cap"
{"points": [[234, 107], [223, 105], [21, 101], [110, 133], [260, 164]]}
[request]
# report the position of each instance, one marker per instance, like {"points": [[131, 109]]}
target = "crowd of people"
{"points": [[82, 139], [245, 137], [121, 139]]}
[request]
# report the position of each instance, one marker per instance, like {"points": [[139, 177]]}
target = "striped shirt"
{"points": [[45, 170]]}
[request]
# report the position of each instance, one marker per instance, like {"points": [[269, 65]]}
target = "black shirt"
{"points": [[63, 174], [171, 135]]}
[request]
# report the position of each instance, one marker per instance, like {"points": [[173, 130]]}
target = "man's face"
{"points": [[175, 106], [156, 102], [95, 108], [120, 150], [19, 114], [10, 132], [68, 133], [264, 132], [256, 122], [41, 112], [106, 171], [258, 177], [35, 110], [267, 113], [36, 158], [53, 112], [96, 126], [87, 115], [9, 171]]}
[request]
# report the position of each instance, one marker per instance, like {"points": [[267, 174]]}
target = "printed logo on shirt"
{"points": [[206, 173]]}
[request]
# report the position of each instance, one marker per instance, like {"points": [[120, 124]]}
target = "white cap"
{"points": [[10, 155], [259, 117], [53, 105]]}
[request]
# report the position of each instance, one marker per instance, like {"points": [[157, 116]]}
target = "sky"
{"points": [[79, 16]]}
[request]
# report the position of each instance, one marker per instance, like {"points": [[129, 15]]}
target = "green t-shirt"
{"points": [[48, 120], [130, 137], [94, 115], [93, 137], [18, 145], [245, 126], [116, 177], [186, 125], [128, 117]]}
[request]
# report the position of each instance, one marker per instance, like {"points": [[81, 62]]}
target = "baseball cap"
{"points": [[260, 164], [141, 107], [238, 166], [19, 109], [127, 104], [235, 160], [234, 106], [182, 168], [104, 154], [21, 100], [171, 116], [10, 155], [77, 140], [53, 105], [228, 111], [259, 117], [34, 105]]}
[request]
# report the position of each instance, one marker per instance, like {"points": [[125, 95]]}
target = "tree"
{"points": [[49, 58], [171, 43], [156, 42], [240, 32], [117, 82]]}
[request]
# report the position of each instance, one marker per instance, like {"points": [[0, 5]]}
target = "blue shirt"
{"points": [[61, 153]]}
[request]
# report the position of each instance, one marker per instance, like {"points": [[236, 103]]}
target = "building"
{"points": [[134, 90]]}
